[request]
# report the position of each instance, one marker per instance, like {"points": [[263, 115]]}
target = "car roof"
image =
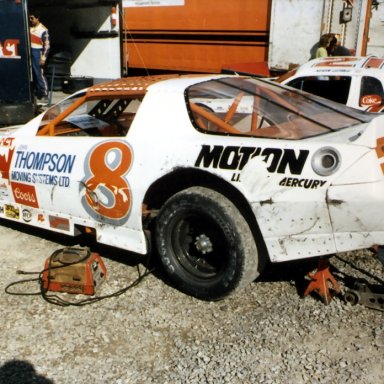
{"points": [[132, 86], [341, 64], [127, 86]]}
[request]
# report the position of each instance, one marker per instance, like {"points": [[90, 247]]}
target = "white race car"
{"points": [[355, 81], [223, 171]]}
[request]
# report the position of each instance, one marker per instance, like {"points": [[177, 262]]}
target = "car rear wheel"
{"points": [[205, 244]]}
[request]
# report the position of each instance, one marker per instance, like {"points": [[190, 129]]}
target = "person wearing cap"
{"points": [[40, 45]]}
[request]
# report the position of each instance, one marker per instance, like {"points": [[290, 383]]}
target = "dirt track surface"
{"points": [[154, 334]]}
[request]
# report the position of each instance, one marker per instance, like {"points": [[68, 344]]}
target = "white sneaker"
{"points": [[43, 101]]}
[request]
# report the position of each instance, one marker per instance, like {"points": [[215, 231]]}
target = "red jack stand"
{"points": [[319, 282]]}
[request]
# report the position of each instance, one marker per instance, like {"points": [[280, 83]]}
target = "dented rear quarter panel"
{"points": [[289, 200]]}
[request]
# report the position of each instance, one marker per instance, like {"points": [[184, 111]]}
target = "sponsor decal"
{"points": [[235, 158], [301, 183], [277, 160], [26, 214], [5, 163], [11, 211], [106, 194], [40, 178], [375, 108], [337, 62], [41, 218], [6, 141], [45, 161], [370, 100], [24, 194], [56, 222], [9, 49], [57, 164]]}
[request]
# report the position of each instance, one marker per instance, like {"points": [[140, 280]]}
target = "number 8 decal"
{"points": [[106, 193]]}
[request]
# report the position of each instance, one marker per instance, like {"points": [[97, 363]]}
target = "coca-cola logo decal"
{"points": [[369, 100]]}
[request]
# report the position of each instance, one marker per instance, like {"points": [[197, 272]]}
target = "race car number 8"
{"points": [[106, 192]]}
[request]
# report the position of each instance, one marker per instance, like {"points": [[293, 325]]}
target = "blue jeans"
{"points": [[39, 80]]}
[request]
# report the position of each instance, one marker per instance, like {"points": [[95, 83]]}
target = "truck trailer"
{"points": [[97, 40]]}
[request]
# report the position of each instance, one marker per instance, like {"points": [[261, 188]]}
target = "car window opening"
{"points": [[335, 88], [107, 117], [371, 94]]}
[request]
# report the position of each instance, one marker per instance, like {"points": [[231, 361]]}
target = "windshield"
{"points": [[260, 108]]}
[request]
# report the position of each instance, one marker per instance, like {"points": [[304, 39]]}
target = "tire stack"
{"points": [[71, 84], [58, 68]]}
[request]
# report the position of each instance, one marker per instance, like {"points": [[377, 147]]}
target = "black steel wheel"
{"points": [[205, 244]]}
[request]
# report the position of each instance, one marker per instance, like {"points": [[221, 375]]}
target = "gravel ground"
{"points": [[154, 334]]}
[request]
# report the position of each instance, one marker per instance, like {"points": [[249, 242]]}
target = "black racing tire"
{"points": [[205, 244]]}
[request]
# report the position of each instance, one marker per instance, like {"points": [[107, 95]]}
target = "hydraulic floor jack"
{"points": [[362, 292]]}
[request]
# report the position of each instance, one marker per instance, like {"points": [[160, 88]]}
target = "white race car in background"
{"points": [[223, 171], [355, 81]]}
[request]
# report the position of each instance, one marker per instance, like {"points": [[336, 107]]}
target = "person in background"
{"points": [[40, 45], [325, 41], [335, 48]]}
